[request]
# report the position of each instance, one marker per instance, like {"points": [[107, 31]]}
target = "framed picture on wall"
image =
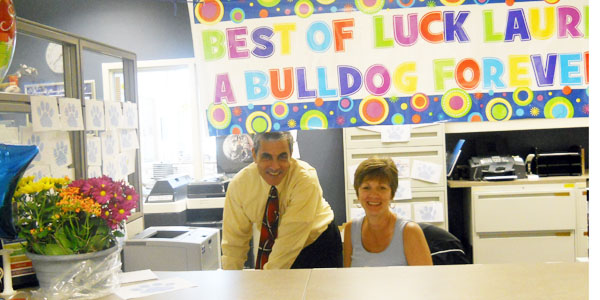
{"points": [[57, 89]]}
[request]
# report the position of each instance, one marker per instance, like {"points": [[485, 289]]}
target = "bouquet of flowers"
{"points": [[59, 217]]}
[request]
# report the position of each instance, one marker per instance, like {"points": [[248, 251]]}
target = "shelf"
{"points": [[541, 180], [512, 125]]}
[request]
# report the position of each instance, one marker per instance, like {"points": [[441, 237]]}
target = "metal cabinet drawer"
{"points": [[430, 135], [526, 211], [530, 249]]}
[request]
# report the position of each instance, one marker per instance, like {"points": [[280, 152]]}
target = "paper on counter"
{"points": [[94, 115], [71, 117], [426, 171], [152, 288], [135, 276], [44, 113], [395, 133], [428, 211], [404, 190], [403, 166], [403, 210]]}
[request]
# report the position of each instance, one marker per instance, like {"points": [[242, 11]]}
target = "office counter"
{"points": [[502, 281]]}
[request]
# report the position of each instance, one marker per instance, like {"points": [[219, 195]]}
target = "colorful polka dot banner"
{"points": [[270, 65]]}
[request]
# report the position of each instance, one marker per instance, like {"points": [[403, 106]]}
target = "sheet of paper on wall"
{"points": [[38, 171], [71, 117], [123, 165], [152, 287], [403, 166], [404, 190], [62, 172], [428, 211], [395, 133], [128, 139], [110, 144], [356, 212], [94, 171], [131, 155], [44, 113], [60, 147], [94, 115], [110, 168], [130, 115], [403, 210], [93, 151], [426, 171], [42, 140], [351, 170], [114, 114], [9, 135]]}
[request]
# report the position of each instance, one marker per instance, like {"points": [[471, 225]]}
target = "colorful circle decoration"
{"points": [[481, 2], [280, 110], [405, 3], [325, 2], [498, 109], [456, 103], [452, 2], [558, 107], [345, 104], [313, 119], [551, 1], [475, 117], [523, 96], [268, 3], [397, 119], [236, 129], [373, 110], [419, 102], [219, 116], [304, 8], [258, 122], [369, 6], [209, 12], [8, 31], [237, 15]]}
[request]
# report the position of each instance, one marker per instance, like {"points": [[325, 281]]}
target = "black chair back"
{"points": [[445, 248]]}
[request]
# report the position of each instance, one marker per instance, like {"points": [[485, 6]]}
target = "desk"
{"points": [[506, 281], [522, 221]]}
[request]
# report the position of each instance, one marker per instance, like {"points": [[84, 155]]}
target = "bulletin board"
{"points": [[269, 65]]}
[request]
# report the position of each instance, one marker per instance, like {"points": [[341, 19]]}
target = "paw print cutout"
{"points": [[92, 153], [72, 115], [130, 117], [96, 116], [123, 165], [45, 112], [111, 170], [424, 172], [427, 213], [125, 139], [114, 116], [110, 145], [154, 287], [36, 140], [60, 154]]}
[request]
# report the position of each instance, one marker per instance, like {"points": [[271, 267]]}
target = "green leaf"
{"points": [[98, 242], [37, 248], [118, 233], [61, 238], [55, 249]]}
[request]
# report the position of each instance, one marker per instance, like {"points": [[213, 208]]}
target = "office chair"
{"points": [[445, 248]]}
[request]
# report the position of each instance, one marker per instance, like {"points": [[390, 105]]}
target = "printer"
{"points": [[173, 248], [496, 168], [169, 189]]}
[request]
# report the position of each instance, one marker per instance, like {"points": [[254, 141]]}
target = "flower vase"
{"points": [[77, 276]]}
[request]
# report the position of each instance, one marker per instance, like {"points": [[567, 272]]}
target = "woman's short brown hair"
{"points": [[382, 169]]}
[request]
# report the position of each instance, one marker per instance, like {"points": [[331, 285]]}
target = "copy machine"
{"points": [[173, 248]]}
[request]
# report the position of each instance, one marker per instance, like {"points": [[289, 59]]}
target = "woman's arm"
{"points": [[415, 246], [348, 244]]}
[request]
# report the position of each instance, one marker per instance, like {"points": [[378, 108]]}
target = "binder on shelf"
{"points": [[453, 157]]}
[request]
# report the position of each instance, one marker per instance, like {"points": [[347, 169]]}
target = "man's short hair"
{"points": [[381, 169], [272, 136]]}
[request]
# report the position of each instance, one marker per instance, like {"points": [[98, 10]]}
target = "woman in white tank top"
{"points": [[380, 238]]}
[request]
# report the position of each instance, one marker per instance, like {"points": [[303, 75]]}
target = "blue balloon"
{"points": [[14, 159]]}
